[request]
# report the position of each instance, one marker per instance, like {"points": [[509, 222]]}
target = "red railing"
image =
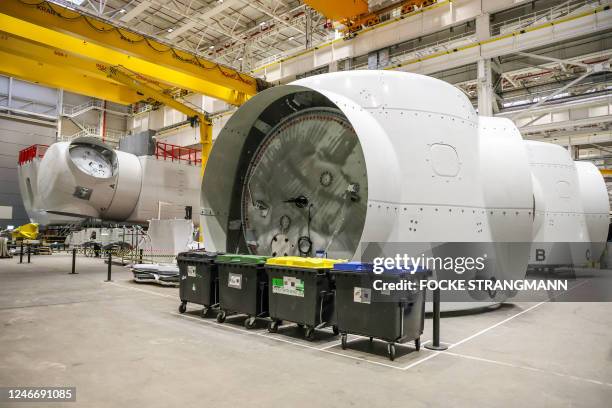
{"points": [[167, 151], [30, 153]]}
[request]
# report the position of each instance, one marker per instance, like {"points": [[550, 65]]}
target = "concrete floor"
{"points": [[124, 344]]}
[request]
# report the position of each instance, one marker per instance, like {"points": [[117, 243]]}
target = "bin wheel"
{"points": [[417, 343], [183, 307], [204, 312], [221, 316], [273, 326], [335, 330], [310, 333], [249, 323], [343, 341], [391, 350]]}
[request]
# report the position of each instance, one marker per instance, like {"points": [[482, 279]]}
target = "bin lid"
{"points": [[301, 262], [198, 254], [241, 259], [354, 267], [369, 267]]}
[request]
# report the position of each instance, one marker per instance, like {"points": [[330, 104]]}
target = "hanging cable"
{"points": [[225, 71]]}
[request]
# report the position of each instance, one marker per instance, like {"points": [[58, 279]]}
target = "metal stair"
{"points": [[92, 104]]}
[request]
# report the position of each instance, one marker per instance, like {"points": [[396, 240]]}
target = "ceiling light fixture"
{"points": [[170, 30]]}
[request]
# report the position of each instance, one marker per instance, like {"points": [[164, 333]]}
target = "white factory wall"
{"points": [[18, 97], [170, 123], [16, 135], [433, 20]]}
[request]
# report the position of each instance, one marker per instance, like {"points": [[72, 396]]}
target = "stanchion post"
{"points": [[73, 261], [140, 252], [110, 264], [21, 253], [435, 344], [29, 251]]}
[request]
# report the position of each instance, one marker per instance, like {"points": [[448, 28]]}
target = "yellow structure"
{"points": [[26, 231], [340, 9], [132, 80], [301, 262], [57, 27], [355, 14]]}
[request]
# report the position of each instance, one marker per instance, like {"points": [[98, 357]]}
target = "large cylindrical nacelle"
{"points": [[88, 179], [335, 160], [571, 208]]}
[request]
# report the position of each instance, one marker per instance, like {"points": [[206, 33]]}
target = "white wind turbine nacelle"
{"points": [[368, 156], [571, 208], [86, 178], [333, 162]]}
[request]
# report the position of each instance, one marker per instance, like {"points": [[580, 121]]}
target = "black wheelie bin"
{"points": [[301, 290], [395, 316], [243, 287], [198, 280]]}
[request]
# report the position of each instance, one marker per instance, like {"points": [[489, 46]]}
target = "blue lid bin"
{"points": [[381, 306]]}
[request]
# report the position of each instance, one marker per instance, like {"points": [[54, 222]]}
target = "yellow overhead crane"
{"points": [[63, 78], [355, 14], [88, 37], [59, 47], [134, 81]]}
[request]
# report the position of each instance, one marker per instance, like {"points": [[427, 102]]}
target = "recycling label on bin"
{"points": [[234, 280], [191, 271], [288, 285], [362, 295]]}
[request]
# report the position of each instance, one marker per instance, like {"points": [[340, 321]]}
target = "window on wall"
{"points": [[317, 71]]}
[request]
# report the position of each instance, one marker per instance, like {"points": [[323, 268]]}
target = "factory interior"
{"points": [[301, 203]]}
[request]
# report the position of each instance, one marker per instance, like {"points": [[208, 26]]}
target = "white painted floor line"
{"points": [[522, 367], [144, 290], [326, 348], [268, 336], [483, 331], [436, 353], [262, 334]]}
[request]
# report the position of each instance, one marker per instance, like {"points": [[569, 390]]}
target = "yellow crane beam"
{"points": [[57, 57], [122, 75], [44, 64], [65, 78], [61, 28], [339, 10]]}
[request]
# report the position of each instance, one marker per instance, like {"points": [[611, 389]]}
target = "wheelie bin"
{"points": [[395, 316], [243, 287], [198, 279], [301, 290]]}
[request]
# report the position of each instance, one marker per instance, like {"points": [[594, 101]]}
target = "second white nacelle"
{"points": [[86, 178]]}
